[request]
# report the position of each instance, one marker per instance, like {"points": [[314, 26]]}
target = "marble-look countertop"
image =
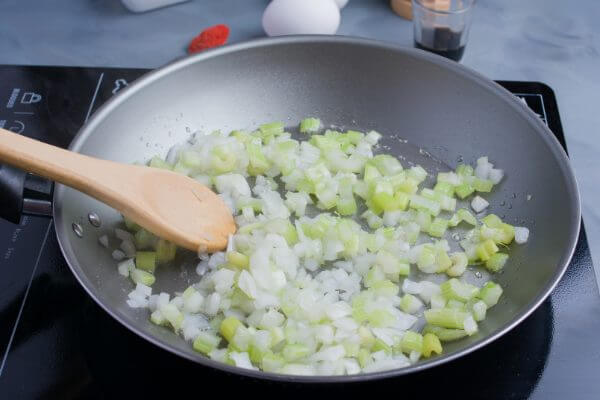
{"points": [[553, 41]]}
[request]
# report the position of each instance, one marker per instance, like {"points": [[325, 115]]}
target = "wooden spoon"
{"points": [[170, 205]]}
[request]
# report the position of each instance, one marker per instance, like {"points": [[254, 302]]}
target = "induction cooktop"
{"points": [[56, 343]]}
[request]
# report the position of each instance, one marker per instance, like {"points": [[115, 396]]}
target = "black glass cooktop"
{"points": [[56, 343]]}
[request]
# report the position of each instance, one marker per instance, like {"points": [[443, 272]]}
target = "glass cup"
{"points": [[442, 26]]}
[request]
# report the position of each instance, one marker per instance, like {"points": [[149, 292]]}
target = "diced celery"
{"points": [[346, 205], [438, 301], [353, 137], [390, 264], [241, 136], [464, 170], [490, 294], [373, 220], [381, 318], [383, 194], [247, 201], [431, 344], [229, 326], [371, 173], [459, 264], [456, 304], [464, 190], [272, 128], [165, 251], [277, 335], [486, 249], [215, 323], [417, 173], [250, 227], [131, 226], [410, 304], [375, 274], [366, 337], [442, 260], [454, 220], [145, 260], [496, 262], [157, 162], [444, 188], [492, 221], [310, 125], [361, 189], [223, 159], [258, 163], [255, 354], [238, 260], [317, 229], [283, 227], [188, 292], [445, 334], [144, 239], [438, 227], [466, 216], [205, 342], [379, 345], [364, 357], [351, 349], [404, 269], [457, 290], [386, 164], [191, 159], [295, 351], [508, 233], [423, 219], [445, 202], [397, 179], [242, 338], [326, 194], [408, 186], [385, 288], [483, 185], [446, 317], [325, 144], [272, 362], [412, 341], [157, 318], [173, 315], [421, 203], [426, 258]]}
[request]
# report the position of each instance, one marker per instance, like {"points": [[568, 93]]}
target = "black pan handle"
{"points": [[23, 193]]}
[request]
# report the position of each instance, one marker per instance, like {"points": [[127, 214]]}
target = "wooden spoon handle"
{"points": [[104, 180], [70, 168]]}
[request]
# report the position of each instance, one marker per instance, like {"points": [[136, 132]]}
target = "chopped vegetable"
{"points": [[319, 277]]}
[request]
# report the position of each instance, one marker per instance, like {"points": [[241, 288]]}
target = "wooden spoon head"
{"points": [[182, 210]]}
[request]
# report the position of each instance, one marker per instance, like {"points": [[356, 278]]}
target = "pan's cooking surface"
{"points": [[349, 82], [67, 346]]}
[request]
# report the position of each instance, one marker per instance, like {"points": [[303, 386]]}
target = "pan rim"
{"points": [[467, 73]]}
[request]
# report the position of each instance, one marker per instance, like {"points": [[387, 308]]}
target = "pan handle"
{"points": [[23, 194]]}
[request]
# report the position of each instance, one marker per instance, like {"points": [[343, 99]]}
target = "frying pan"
{"points": [[430, 110]]}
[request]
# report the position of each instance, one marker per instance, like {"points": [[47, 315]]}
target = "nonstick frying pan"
{"points": [[431, 111]]}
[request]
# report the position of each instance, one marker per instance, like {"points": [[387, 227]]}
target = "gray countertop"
{"points": [[553, 41]]}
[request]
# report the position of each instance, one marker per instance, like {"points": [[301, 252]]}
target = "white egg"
{"points": [[293, 17], [341, 3]]}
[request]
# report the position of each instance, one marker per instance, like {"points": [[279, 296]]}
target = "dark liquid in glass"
{"points": [[442, 41]]}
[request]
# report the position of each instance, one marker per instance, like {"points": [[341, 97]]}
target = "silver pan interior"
{"points": [[435, 104]]}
